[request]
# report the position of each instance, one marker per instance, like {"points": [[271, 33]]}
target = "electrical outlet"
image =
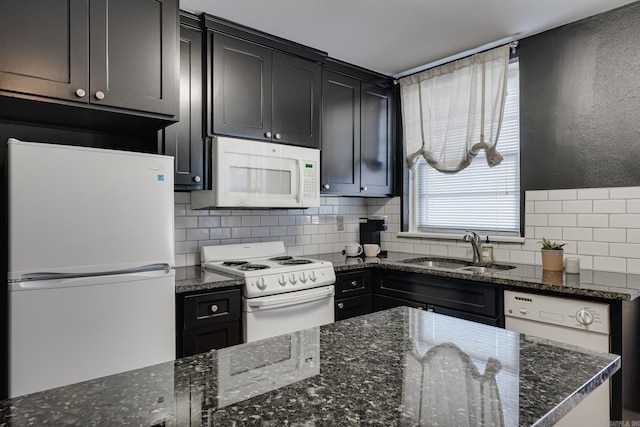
{"points": [[340, 223]]}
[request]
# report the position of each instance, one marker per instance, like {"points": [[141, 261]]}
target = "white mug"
{"points": [[352, 249], [371, 250]]}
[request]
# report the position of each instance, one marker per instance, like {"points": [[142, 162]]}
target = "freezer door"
{"points": [[72, 330], [77, 209]]}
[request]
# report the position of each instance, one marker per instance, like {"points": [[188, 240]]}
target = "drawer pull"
{"points": [[214, 308], [354, 283], [340, 305]]}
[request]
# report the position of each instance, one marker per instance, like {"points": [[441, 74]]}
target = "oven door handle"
{"points": [[289, 299]]}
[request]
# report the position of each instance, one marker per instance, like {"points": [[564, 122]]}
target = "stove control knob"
{"points": [[313, 276], [282, 280], [292, 279], [584, 317], [260, 284], [303, 277]]}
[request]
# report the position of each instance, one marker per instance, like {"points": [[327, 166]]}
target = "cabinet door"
{"points": [[353, 306], [133, 53], [209, 338], [376, 170], [241, 97], [340, 134], [296, 101], [382, 302], [184, 140], [44, 47]]}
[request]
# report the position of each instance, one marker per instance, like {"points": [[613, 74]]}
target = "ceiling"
{"points": [[396, 37]]}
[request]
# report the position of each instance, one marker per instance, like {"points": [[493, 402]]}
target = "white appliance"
{"points": [[91, 289], [258, 174], [581, 323], [282, 294], [253, 369]]}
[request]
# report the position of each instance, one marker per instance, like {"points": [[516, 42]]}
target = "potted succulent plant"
{"points": [[552, 255]]}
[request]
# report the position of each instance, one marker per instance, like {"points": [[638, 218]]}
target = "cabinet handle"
{"points": [[340, 305], [214, 308], [80, 93], [326, 186], [277, 136], [100, 95], [354, 283], [363, 188], [196, 178], [267, 134]]}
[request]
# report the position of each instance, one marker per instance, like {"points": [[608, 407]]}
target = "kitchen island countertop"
{"points": [[396, 367], [589, 283]]}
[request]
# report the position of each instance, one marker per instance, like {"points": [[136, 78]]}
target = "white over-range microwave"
{"points": [[254, 174]]}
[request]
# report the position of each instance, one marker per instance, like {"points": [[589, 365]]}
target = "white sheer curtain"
{"points": [[452, 111]]}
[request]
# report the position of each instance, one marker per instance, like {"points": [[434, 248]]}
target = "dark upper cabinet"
{"points": [[357, 137], [260, 93], [44, 47], [111, 55], [133, 48], [184, 140], [340, 156]]}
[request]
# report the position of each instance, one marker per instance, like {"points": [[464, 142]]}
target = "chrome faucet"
{"points": [[474, 239]]}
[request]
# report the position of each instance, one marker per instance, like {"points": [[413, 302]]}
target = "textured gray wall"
{"points": [[580, 103]]}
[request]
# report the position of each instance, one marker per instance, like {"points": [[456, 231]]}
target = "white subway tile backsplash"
{"points": [[609, 206], [610, 264], [593, 220], [609, 235], [601, 226], [625, 221], [625, 193], [563, 194], [537, 195], [593, 193], [562, 220], [593, 248], [577, 206], [542, 207], [625, 250], [577, 233]]}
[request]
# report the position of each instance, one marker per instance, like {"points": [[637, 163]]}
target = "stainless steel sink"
{"points": [[457, 265], [449, 264]]}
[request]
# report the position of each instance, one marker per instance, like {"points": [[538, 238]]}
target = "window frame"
{"points": [[408, 213]]}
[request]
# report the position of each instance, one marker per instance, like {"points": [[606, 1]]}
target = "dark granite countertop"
{"points": [[590, 283], [383, 369]]}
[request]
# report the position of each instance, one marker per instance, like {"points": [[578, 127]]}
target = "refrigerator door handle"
{"points": [[39, 276]]}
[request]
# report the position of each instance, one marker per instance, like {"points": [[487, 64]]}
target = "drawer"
{"points": [[353, 283], [352, 306], [212, 308]]}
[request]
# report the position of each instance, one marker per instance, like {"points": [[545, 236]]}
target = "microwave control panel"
{"points": [[309, 180]]}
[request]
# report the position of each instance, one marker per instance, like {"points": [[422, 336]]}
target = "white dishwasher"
{"points": [[575, 322]]}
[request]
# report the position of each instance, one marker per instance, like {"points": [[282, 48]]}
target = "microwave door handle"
{"points": [[300, 183]]}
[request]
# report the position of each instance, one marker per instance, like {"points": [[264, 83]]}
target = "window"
{"points": [[480, 198]]}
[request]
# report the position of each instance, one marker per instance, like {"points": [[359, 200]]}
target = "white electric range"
{"points": [[282, 294]]}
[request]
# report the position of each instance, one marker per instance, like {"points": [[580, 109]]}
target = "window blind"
{"points": [[479, 198]]}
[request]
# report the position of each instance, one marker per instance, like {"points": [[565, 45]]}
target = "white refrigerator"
{"points": [[90, 280]]}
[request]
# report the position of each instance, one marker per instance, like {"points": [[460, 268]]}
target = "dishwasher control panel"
{"points": [[571, 313]]}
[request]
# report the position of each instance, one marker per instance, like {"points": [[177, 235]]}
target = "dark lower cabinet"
{"points": [[207, 321], [353, 294], [470, 300]]}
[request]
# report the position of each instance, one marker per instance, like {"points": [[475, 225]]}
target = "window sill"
{"points": [[453, 236]]}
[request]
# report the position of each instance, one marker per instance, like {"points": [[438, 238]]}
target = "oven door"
{"points": [[274, 315]]}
